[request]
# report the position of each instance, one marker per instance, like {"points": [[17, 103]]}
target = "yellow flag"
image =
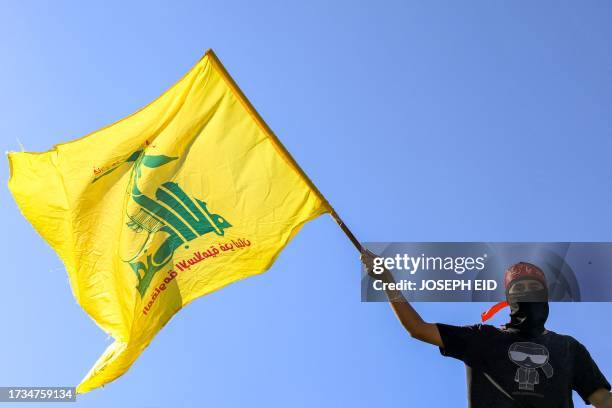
{"points": [[179, 199]]}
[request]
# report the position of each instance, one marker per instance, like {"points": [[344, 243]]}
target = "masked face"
{"points": [[528, 300]]}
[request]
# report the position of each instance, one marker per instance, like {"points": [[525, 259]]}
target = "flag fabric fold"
{"points": [[187, 195]]}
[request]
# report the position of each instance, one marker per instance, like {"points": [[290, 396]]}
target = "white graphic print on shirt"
{"points": [[529, 357]]}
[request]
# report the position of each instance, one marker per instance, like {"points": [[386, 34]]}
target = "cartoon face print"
{"points": [[529, 357]]}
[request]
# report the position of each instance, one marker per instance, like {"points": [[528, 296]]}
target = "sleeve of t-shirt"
{"points": [[587, 376], [461, 342]]}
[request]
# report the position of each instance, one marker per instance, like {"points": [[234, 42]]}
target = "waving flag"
{"points": [[177, 200]]}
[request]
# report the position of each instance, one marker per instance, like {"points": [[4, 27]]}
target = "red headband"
{"points": [[517, 271], [523, 270]]}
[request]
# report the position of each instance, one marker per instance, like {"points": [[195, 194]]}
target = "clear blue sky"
{"points": [[420, 121]]}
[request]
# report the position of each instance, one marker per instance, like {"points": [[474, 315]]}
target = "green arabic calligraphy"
{"points": [[172, 212]]}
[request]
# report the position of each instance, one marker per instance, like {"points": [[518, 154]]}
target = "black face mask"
{"points": [[528, 311]]}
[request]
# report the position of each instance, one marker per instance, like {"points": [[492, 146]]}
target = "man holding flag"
{"points": [[521, 364], [194, 192]]}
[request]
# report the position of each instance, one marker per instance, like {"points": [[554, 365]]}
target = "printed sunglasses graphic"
{"points": [[529, 357]]}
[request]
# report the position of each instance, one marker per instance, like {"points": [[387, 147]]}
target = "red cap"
{"points": [[523, 270]]}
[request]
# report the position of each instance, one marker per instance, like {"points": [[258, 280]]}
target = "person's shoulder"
{"points": [[488, 329], [556, 335], [479, 329], [485, 327], [565, 338]]}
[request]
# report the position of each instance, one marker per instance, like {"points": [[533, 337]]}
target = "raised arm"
{"points": [[601, 398], [408, 317]]}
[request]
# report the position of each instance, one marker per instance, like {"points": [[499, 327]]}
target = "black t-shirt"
{"points": [[538, 372]]}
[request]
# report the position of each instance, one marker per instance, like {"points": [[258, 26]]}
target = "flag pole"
{"points": [[345, 228], [281, 148]]}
